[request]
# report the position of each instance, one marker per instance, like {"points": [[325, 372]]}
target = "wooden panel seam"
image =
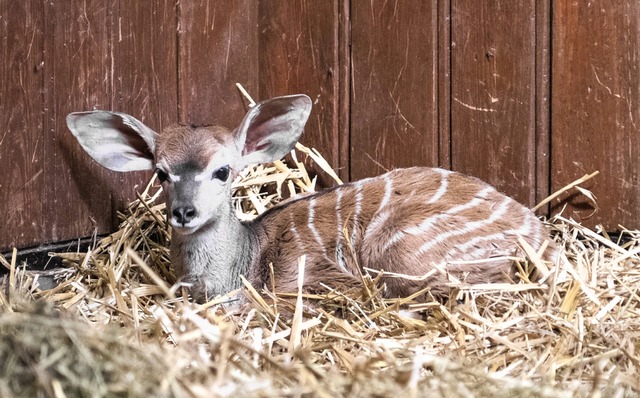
{"points": [[344, 89], [542, 102], [444, 84]]}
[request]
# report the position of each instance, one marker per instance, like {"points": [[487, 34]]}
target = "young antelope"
{"points": [[415, 221]]}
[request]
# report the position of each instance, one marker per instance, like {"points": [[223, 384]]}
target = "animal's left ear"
{"points": [[117, 141], [271, 128]]}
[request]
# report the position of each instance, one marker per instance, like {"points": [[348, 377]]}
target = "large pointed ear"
{"points": [[116, 140], [271, 128]]}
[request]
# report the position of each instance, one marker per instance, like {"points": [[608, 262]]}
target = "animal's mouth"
{"points": [[187, 229]]}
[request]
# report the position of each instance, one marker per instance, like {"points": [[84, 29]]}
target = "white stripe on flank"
{"points": [[296, 235], [373, 225], [479, 197], [444, 182], [472, 226], [463, 248], [358, 208], [311, 204], [340, 260], [339, 215], [339, 254], [431, 221], [425, 225], [388, 187], [377, 217], [528, 230], [393, 240], [524, 231]]}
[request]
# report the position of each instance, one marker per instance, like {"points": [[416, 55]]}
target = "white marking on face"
{"points": [[164, 166], [197, 188], [218, 161]]}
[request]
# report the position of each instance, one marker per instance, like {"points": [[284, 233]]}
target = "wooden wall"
{"points": [[526, 94]]}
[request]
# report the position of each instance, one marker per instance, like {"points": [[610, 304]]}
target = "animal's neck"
{"points": [[214, 257]]}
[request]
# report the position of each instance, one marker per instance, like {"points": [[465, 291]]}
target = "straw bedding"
{"points": [[117, 324]]}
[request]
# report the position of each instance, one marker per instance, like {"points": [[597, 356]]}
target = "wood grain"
{"points": [[21, 141], [301, 55], [595, 114], [145, 74], [394, 117], [77, 62], [218, 47], [444, 84], [481, 87], [493, 94], [543, 103]]}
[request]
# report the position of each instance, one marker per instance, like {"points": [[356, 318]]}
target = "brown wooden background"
{"points": [[526, 94]]}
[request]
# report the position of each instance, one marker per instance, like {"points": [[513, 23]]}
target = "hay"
{"points": [[118, 324]]}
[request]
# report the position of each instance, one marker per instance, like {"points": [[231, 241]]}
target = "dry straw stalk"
{"points": [[118, 324]]}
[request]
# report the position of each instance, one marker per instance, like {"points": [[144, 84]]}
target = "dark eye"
{"points": [[162, 176], [222, 173]]}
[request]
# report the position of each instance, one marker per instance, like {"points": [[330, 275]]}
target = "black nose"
{"points": [[184, 214]]}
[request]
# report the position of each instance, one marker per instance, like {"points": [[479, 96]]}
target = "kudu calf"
{"points": [[407, 221]]}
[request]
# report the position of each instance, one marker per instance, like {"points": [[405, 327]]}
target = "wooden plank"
{"points": [[595, 114], [218, 47], [543, 102], [21, 147], [344, 89], [77, 192], [394, 117], [444, 83], [145, 74], [493, 93], [299, 53]]}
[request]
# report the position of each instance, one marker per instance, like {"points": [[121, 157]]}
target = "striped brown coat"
{"points": [[417, 221]]}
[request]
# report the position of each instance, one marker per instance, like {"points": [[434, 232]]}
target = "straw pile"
{"points": [[118, 325]]}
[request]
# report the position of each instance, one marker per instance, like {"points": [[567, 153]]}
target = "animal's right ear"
{"points": [[116, 140], [271, 128]]}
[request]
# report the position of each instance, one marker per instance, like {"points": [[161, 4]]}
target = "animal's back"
{"points": [[408, 221]]}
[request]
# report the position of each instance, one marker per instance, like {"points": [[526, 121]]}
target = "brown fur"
{"points": [[407, 207], [183, 144]]}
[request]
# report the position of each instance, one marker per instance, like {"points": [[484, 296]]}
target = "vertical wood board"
{"points": [[394, 117], [145, 63], [21, 142], [218, 47], [493, 94], [299, 53], [595, 114], [78, 192], [543, 102]]}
